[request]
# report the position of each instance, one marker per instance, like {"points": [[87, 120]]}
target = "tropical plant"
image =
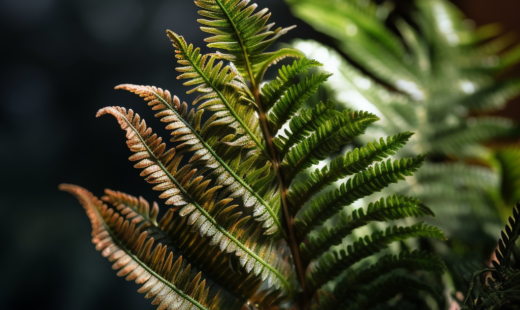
{"points": [[245, 227], [498, 287], [431, 72]]}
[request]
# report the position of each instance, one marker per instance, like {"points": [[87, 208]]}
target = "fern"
{"points": [[502, 288], [235, 185], [429, 72]]}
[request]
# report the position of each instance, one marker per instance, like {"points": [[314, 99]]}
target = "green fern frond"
{"points": [[506, 244], [327, 139], [411, 261], [352, 283], [275, 89], [242, 33], [362, 184], [492, 97], [168, 280], [293, 100], [349, 20], [303, 124], [343, 166], [186, 129], [333, 263], [394, 208], [210, 217], [463, 140], [215, 83], [390, 287]]}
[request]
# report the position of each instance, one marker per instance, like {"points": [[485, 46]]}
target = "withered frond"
{"points": [[139, 258], [212, 218], [186, 130]]}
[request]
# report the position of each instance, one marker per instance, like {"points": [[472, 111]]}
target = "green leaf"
{"points": [[275, 89], [333, 263], [215, 81], [303, 124], [362, 184], [463, 139], [394, 208], [389, 288], [238, 30], [327, 139], [492, 97], [343, 166], [293, 100]]}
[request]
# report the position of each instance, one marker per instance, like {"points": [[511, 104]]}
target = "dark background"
{"points": [[60, 62]]}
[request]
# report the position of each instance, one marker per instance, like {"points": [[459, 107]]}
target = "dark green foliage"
{"points": [[498, 287]]}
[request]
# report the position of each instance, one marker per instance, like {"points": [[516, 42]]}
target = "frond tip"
{"points": [[162, 277]]}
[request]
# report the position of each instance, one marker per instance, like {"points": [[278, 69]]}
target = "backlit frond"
{"points": [[328, 138], [343, 166], [394, 208], [275, 89], [186, 130], [241, 32], [360, 185], [212, 218], [333, 263], [139, 258], [221, 92]]}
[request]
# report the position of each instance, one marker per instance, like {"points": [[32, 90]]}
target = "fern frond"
{"points": [[242, 33], [343, 166], [293, 100], [327, 139], [394, 208], [389, 288], [411, 261], [213, 262], [493, 97], [130, 249], [362, 184], [303, 124], [212, 219], [506, 244], [333, 263], [221, 92], [275, 89], [184, 126], [461, 140], [354, 282]]}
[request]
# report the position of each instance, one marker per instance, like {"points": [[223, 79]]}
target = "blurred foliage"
{"points": [[430, 70]]}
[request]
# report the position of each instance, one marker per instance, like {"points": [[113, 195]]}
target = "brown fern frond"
{"points": [[214, 262], [166, 279], [185, 126], [212, 218]]}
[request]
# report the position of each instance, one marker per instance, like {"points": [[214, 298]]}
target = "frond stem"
{"points": [[291, 240]]}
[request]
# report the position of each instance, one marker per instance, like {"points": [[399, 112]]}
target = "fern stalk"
{"points": [[291, 236]]}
